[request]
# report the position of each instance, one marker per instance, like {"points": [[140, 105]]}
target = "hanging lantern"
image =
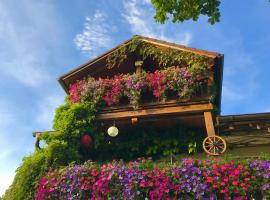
{"points": [[113, 131], [86, 140]]}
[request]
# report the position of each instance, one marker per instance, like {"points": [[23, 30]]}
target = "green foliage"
{"points": [[27, 177], [63, 147], [164, 57], [192, 147], [183, 10], [142, 141], [34, 167]]}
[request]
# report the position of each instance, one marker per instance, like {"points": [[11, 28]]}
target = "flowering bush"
{"points": [[141, 179], [157, 82], [75, 90], [114, 93], [160, 82], [134, 85]]}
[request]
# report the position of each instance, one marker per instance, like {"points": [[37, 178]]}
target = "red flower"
{"points": [[150, 184], [226, 179], [209, 179], [142, 184], [235, 183], [246, 179], [94, 172]]}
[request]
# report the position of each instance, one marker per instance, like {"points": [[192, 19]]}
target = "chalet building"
{"points": [[236, 134]]}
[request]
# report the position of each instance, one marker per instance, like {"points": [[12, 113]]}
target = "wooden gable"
{"points": [[97, 67]]}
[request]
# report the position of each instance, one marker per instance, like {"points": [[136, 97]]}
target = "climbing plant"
{"points": [[163, 56]]}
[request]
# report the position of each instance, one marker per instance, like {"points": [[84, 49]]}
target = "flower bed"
{"points": [[143, 179], [182, 81]]}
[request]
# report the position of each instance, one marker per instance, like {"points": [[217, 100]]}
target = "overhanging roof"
{"points": [[87, 68]]}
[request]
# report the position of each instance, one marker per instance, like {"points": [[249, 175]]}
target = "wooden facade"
{"points": [[194, 112], [246, 131]]}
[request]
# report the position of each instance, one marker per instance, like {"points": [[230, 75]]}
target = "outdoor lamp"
{"points": [[113, 131], [86, 140]]}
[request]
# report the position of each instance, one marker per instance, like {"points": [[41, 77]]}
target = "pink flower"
{"points": [[235, 183], [209, 179]]}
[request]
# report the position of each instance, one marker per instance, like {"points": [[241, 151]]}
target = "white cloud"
{"points": [[139, 16], [47, 110], [95, 34], [6, 180]]}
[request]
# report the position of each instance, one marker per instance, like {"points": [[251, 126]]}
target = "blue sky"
{"points": [[41, 40]]}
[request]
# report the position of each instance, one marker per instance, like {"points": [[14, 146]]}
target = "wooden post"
{"points": [[209, 124], [138, 65], [37, 136]]}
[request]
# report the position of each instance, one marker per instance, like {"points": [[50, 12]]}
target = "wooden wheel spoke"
{"points": [[220, 147], [214, 145], [209, 145], [207, 142], [211, 148]]}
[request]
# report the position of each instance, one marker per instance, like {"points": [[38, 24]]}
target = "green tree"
{"points": [[182, 10]]}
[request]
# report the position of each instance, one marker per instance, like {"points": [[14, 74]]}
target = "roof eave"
{"points": [[62, 78]]}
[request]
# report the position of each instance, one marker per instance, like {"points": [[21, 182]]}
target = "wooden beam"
{"points": [[157, 111], [181, 47], [209, 124]]}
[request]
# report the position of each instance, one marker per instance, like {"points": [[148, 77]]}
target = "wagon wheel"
{"points": [[214, 145]]}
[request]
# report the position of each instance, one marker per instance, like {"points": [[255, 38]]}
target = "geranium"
{"points": [[157, 83], [42, 191], [75, 91], [113, 94], [160, 82]]}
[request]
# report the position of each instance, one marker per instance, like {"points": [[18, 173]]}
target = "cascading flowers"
{"points": [[76, 89], [160, 82], [134, 85]]}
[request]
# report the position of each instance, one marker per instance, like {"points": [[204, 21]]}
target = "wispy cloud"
{"points": [[95, 35], [46, 110], [139, 16]]}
